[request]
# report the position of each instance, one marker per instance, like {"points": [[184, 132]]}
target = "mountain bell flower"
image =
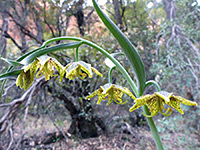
{"points": [[111, 92], [81, 69], [45, 64], [156, 102], [26, 77]]}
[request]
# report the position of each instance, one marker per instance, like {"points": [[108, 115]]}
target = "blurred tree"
{"points": [[165, 33]]}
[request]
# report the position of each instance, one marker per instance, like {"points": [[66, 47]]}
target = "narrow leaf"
{"points": [[129, 50], [10, 74], [11, 62], [46, 50]]}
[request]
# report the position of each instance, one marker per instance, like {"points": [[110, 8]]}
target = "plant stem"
{"points": [[118, 65], [154, 83], [110, 74], [153, 129], [150, 119], [76, 57]]}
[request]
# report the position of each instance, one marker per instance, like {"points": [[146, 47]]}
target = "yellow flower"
{"points": [[26, 77], [156, 102], [81, 69], [47, 65], [111, 92]]}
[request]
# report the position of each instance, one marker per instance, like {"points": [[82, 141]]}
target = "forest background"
{"points": [[55, 115]]}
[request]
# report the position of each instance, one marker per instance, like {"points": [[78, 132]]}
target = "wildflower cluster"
{"points": [[45, 65]]}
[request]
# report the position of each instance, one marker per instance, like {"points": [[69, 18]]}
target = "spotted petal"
{"points": [[26, 77], [102, 97], [141, 101], [175, 104], [47, 65], [125, 90], [117, 95], [58, 67], [71, 71], [96, 92], [96, 71], [184, 101], [109, 100], [153, 105], [86, 68], [106, 87]]}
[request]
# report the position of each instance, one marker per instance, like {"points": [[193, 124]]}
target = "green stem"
{"points": [[150, 119], [154, 83], [76, 58], [118, 65], [135, 61], [153, 129], [110, 74]]}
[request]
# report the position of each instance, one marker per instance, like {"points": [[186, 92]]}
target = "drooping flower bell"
{"points": [[45, 64], [26, 77], [156, 102], [111, 92], [81, 69]]}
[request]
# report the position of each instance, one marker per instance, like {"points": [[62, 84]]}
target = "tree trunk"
{"points": [[4, 29], [118, 16], [170, 10], [80, 17], [83, 120]]}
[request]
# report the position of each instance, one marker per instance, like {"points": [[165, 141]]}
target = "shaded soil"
{"points": [[103, 142], [41, 134]]}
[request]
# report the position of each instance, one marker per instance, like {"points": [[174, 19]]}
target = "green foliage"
{"points": [[180, 127], [172, 62]]}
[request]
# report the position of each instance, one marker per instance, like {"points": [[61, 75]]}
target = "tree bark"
{"points": [[118, 16], [80, 17], [83, 121], [3, 40], [4, 29], [170, 10]]}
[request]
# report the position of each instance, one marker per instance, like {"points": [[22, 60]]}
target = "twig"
{"points": [[6, 90], [13, 106], [11, 136]]}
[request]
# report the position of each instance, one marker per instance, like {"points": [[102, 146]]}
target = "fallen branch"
{"points": [[13, 106]]}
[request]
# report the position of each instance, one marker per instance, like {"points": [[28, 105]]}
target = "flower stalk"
{"points": [[110, 74], [136, 63]]}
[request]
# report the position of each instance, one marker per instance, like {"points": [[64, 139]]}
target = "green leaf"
{"points": [[127, 47], [29, 53], [11, 62], [10, 74], [46, 50]]}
